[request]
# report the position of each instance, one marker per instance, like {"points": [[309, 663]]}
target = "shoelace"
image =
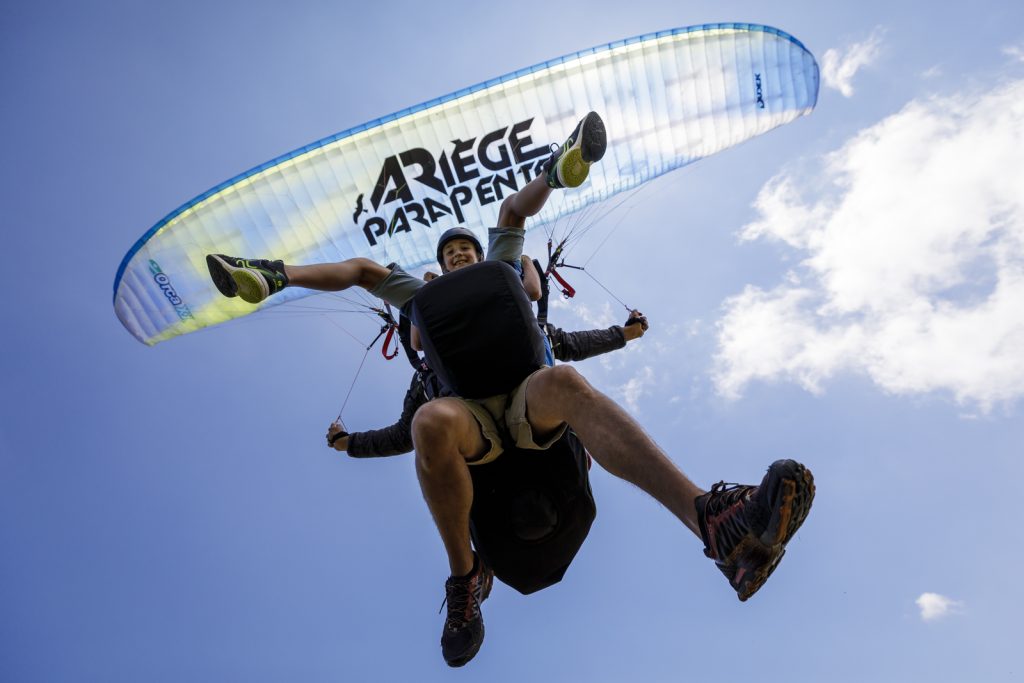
{"points": [[732, 528], [553, 149], [728, 491], [457, 597]]}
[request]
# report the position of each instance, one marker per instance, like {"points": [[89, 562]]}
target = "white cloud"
{"points": [[1014, 52], [934, 606], [768, 335], [591, 319], [635, 388], [913, 260], [838, 67]]}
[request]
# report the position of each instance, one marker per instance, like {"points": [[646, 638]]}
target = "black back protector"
{"points": [[478, 330]]}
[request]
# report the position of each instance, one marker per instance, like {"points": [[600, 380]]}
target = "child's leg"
{"points": [[527, 202]]}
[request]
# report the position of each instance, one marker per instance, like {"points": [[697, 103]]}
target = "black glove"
{"points": [[637, 318]]}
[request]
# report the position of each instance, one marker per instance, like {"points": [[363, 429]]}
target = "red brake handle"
{"points": [[567, 290], [388, 339]]}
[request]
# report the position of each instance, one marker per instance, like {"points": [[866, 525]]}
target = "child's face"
{"points": [[458, 253]]}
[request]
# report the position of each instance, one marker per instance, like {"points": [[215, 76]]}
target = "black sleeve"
{"points": [[585, 343], [397, 438]]}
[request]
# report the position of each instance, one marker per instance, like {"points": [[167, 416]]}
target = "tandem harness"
{"points": [[532, 509]]}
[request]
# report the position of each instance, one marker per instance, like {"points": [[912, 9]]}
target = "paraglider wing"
{"points": [[387, 189]]}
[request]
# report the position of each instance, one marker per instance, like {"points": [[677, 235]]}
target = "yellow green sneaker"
{"points": [[251, 279], [569, 165]]}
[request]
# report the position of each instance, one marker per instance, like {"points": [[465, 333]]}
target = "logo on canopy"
{"points": [[415, 186]]}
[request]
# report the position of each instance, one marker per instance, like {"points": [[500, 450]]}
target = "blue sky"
{"points": [[844, 290]]}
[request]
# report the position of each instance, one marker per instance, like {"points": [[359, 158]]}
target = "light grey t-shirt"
{"points": [[503, 244]]}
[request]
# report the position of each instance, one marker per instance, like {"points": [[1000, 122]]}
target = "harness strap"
{"points": [[405, 337], [545, 289]]}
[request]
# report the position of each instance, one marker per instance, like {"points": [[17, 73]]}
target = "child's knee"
{"points": [[508, 217]]}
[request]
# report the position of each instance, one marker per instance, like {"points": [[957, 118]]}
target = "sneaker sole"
{"points": [[589, 147], [252, 287], [593, 140], [220, 273], [572, 169], [760, 576], [792, 502]]}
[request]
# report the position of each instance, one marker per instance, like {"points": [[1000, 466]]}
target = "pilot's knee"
{"points": [[567, 379], [433, 423]]}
